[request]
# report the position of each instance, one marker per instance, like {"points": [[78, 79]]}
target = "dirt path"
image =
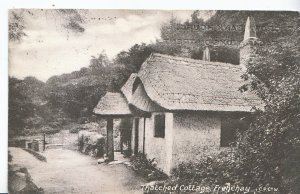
{"points": [[68, 171]]}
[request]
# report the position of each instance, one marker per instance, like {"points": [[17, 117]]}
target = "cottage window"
{"points": [[229, 128], [159, 125]]}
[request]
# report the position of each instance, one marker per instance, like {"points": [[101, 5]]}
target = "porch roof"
{"points": [[112, 104]]}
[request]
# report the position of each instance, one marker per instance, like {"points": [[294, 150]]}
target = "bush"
{"points": [[91, 143], [55, 124], [147, 167], [49, 130], [225, 168], [82, 120], [216, 170], [74, 130], [45, 129]]}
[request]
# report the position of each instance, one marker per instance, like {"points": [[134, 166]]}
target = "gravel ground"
{"points": [[68, 171]]}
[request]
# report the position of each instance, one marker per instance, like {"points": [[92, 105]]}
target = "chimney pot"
{"points": [[250, 29]]}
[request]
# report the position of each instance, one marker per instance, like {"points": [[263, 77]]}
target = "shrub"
{"points": [[225, 168], [55, 124], [50, 130], [82, 120], [216, 170], [147, 167], [45, 129], [74, 130], [91, 143]]}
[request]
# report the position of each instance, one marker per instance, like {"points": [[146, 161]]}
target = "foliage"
{"points": [[16, 27], [49, 130], [267, 153], [225, 26], [91, 143], [78, 93], [220, 169], [74, 19], [71, 20], [29, 111], [20, 107], [74, 130], [138, 53], [270, 149], [147, 167], [134, 57]]}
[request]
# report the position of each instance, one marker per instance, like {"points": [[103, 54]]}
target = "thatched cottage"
{"points": [[183, 108]]}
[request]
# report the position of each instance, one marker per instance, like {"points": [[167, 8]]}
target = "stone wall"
{"points": [[195, 135]]}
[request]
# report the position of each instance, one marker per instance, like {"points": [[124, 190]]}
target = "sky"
{"points": [[51, 49]]}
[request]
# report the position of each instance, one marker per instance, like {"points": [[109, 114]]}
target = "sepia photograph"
{"points": [[121, 101]]}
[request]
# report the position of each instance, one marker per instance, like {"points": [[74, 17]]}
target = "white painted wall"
{"points": [[160, 148], [189, 136], [141, 134], [195, 135]]}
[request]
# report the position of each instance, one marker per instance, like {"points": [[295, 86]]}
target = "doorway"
{"points": [[136, 135]]}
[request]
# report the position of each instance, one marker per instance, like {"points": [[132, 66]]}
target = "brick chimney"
{"points": [[250, 45]]}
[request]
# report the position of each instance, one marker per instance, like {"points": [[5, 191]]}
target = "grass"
{"points": [[36, 155]]}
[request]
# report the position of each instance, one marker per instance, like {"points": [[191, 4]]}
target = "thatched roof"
{"points": [[127, 87], [141, 100], [177, 83], [112, 104], [138, 98]]}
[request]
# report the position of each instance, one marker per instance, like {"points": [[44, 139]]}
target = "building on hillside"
{"points": [[184, 109]]}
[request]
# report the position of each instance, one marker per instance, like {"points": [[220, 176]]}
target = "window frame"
{"points": [[233, 131], [159, 131]]}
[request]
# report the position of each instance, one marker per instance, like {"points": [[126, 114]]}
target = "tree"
{"points": [[269, 150], [16, 26], [98, 63], [19, 107], [134, 57], [71, 20]]}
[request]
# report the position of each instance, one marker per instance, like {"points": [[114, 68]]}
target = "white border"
{"points": [[289, 5], [282, 5]]}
